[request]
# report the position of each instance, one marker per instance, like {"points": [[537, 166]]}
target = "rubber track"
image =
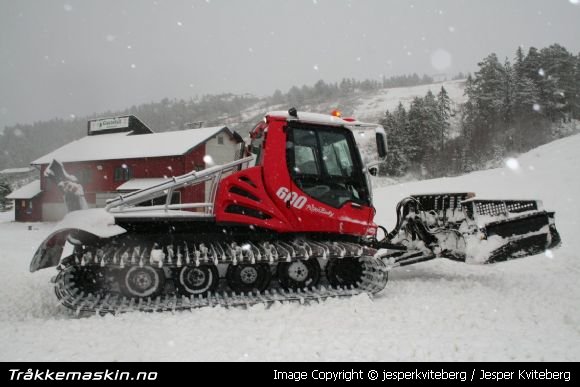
{"points": [[373, 280]]}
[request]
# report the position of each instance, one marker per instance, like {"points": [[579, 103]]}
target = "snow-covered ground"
{"points": [[525, 310], [373, 106]]}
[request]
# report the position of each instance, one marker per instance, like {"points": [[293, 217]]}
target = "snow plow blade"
{"points": [[524, 236], [460, 227]]}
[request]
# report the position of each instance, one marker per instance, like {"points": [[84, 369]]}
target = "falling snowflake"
{"points": [[67, 7], [451, 29], [512, 164], [575, 2], [549, 254], [110, 38], [208, 160], [124, 166], [441, 59], [536, 107], [133, 66], [541, 72], [180, 24], [129, 47], [315, 67]]}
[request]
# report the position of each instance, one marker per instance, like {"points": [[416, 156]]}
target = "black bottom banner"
{"points": [[289, 373]]}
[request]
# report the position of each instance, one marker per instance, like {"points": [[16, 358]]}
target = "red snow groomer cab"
{"points": [[293, 220]]}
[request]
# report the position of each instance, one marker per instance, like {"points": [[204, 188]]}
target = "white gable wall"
{"points": [[220, 153]]}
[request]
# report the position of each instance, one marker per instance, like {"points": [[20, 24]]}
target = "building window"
{"points": [[123, 173], [220, 140], [85, 176]]}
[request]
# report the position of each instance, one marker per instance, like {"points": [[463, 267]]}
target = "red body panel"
{"points": [[275, 202]]}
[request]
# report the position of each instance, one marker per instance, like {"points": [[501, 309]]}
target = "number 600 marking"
{"points": [[296, 201]]}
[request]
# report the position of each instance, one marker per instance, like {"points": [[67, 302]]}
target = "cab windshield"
{"points": [[326, 165]]}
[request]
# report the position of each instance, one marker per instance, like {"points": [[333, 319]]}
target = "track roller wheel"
{"points": [[196, 280], [299, 274], [344, 272], [246, 277], [141, 282], [90, 279]]}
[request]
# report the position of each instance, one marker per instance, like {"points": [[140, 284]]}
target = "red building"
{"points": [[121, 154]]}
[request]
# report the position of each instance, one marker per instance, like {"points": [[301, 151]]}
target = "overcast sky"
{"points": [[63, 58]]}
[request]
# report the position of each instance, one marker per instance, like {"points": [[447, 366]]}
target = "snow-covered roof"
{"points": [[10, 171], [28, 191], [135, 184], [125, 146]]}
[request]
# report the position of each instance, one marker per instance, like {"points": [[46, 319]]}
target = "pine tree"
{"points": [[525, 92], [295, 97], [397, 162], [277, 97], [576, 103], [564, 68], [5, 190], [525, 105], [443, 112], [433, 121], [531, 65], [508, 89]]}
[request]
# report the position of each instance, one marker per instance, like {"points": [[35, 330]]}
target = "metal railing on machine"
{"points": [[127, 202]]}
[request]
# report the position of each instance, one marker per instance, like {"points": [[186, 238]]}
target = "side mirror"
{"points": [[381, 145], [374, 170]]}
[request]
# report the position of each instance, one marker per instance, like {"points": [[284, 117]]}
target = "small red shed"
{"points": [[27, 202]]}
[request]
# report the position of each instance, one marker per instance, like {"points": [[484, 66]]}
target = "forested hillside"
{"points": [[509, 107]]}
